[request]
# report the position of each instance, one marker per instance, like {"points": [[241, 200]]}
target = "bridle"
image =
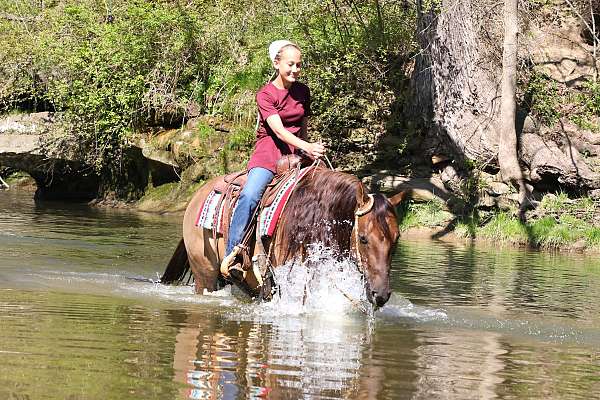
{"points": [[361, 211]]}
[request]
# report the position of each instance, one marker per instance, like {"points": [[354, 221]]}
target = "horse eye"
{"points": [[363, 239]]}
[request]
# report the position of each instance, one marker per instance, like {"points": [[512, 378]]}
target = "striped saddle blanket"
{"points": [[209, 217]]}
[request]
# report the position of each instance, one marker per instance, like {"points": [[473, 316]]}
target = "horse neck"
{"points": [[311, 221]]}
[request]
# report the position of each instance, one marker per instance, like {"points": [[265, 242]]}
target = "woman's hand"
{"points": [[315, 150]]}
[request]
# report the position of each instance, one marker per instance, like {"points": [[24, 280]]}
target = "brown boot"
{"points": [[228, 261]]}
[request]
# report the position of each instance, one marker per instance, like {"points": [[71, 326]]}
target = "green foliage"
{"points": [[108, 76], [241, 138], [113, 68], [555, 203], [592, 237], [545, 232], [468, 227], [205, 132], [429, 214], [116, 67], [589, 107], [543, 96], [354, 68], [504, 227], [561, 205], [592, 97], [549, 100]]}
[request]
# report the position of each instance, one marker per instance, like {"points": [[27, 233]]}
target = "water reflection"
{"points": [[508, 281], [464, 322], [292, 358], [59, 346], [451, 370]]}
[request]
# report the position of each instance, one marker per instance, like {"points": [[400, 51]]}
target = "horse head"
{"points": [[374, 238]]}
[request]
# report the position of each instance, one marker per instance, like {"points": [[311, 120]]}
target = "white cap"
{"points": [[276, 46]]}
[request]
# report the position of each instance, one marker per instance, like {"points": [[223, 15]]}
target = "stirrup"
{"points": [[237, 272], [229, 260]]}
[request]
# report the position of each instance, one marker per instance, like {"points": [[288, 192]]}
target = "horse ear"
{"points": [[398, 198]]}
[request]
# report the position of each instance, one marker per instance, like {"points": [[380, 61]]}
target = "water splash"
{"points": [[322, 284], [400, 307]]}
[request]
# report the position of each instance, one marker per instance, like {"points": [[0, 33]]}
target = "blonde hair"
{"points": [[278, 55]]}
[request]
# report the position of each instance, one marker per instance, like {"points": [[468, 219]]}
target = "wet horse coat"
{"points": [[327, 207]]}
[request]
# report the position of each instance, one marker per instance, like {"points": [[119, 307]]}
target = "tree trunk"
{"points": [[454, 91], [507, 146], [467, 110]]}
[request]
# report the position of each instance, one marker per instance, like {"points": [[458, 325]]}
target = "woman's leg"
{"points": [[258, 179]]}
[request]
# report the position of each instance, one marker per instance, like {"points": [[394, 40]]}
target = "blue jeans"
{"points": [[258, 179]]}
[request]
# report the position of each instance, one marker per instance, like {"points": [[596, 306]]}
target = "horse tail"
{"points": [[178, 267]]}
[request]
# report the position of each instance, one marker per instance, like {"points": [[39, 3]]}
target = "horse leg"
{"points": [[204, 263], [200, 246]]}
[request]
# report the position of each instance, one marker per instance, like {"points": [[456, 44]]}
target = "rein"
{"points": [[365, 209]]}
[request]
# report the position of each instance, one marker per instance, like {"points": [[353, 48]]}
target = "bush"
{"points": [[355, 70], [108, 74], [543, 96], [116, 68]]}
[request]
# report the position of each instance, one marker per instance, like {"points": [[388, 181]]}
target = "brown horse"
{"points": [[326, 207]]}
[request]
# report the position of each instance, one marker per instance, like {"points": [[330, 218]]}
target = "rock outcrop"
{"points": [[21, 148], [66, 176]]}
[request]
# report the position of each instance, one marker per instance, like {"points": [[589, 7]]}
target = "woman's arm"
{"points": [[315, 150]]}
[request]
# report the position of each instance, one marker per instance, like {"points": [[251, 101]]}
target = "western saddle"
{"points": [[243, 260]]}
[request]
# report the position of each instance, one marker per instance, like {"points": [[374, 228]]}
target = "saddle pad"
{"points": [[206, 215], [267, 220], [209, 216]]}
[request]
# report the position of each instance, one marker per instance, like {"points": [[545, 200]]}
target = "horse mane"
{"points": [[381, 208], [321, 210]]}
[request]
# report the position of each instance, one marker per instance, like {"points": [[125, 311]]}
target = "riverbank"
{"points": [[557, 223]]}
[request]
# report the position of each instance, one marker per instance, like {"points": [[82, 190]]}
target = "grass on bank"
{"points": [[428, 215], [21, 180], [558, 222], [170, 197]]}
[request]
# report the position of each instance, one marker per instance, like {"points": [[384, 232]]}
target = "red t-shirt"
{"points": [[292, 105]]}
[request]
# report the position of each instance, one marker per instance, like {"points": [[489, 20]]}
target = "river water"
{"points": [[80, 319]]}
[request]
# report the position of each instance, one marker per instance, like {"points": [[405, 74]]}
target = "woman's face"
{"points": [[289, 64]]}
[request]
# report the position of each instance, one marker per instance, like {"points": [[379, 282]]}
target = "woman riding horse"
{"points": [[284, 107], [327, 207]]}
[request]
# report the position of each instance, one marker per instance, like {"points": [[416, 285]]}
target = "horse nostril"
{"points": [[380, 300]]}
